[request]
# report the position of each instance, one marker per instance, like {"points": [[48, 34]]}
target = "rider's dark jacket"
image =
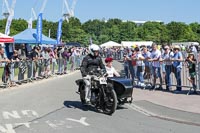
{"points": [[91, 63]]}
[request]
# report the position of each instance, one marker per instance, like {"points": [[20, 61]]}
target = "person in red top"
{"points": [[134, 64]]}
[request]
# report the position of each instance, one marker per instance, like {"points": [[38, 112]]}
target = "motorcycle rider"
{"points": [[90, 62]]}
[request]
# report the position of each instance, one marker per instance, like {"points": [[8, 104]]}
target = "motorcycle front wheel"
{"points": [[110, 100], [82, 93]]}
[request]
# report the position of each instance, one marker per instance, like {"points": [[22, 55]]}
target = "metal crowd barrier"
{"points": [[25, 71]]}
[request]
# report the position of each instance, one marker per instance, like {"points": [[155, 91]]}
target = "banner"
{"points": [[8, 24], [59, 31], [30, 23], [39, 29], [10, 17]]}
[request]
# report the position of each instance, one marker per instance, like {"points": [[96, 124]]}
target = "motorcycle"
{"points": [[103, 95]]}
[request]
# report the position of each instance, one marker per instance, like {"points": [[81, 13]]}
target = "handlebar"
{"points": [[99, 73]]}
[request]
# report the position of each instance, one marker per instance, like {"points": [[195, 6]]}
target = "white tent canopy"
{"points": [[110, 44], [185, 43], [138, 43]]}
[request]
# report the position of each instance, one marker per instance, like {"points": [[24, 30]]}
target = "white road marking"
{"points": [[52, 125], [7, 129], [13, 114], [55, 124], [82, 121], [30, 113], [141, 110]]}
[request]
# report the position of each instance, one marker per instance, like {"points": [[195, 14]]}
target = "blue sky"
{"points": [[187, 11]]}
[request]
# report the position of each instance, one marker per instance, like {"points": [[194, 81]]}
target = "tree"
{"points": [[103, 38], [95, 27], [2, 25], [128, 31], [195, 27], [179, 31], [114, 29]]}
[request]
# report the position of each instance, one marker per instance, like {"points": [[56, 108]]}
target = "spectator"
{"points": [[66, 56], [4, 62], [60, 60], [126, 66], [166, 56], [140, 67], [54, 58], [46, 57], [40, 62], [192, 70], [14, 59], [35, 61], [147, 55], [130, 66], [134, 65], [177, 66], [155, 58]]}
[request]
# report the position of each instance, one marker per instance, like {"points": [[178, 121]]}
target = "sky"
{"points": [[186, 11]]}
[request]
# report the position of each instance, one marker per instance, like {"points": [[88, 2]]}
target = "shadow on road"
{"points": [[79, 105]]}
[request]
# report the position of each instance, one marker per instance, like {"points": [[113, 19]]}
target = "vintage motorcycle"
{"points": [[103, 96]]}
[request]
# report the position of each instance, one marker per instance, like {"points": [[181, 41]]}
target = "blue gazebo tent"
{"points": [[28, 36]]}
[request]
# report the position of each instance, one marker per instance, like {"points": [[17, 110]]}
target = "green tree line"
{"points": [[114, 29]]}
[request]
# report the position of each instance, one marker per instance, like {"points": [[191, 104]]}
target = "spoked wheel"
{"points": [[110, 103]]}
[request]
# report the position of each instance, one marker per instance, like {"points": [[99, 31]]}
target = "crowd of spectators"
{"points": [[140, 63], [39, 62], [156, 63]]}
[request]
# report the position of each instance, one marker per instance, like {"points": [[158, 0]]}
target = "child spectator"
{"points": [[110, 69], [192, 70]]}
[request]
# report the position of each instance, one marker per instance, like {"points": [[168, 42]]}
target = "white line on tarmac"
{"points": [[150, 114], [141, 110]]}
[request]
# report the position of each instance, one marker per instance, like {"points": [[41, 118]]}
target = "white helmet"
{"points": [[93, 48]]}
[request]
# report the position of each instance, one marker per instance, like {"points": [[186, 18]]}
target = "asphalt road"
{"points": [[53, 106]]}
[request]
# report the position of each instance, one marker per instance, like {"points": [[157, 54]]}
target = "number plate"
{"points": [[103, 80]]}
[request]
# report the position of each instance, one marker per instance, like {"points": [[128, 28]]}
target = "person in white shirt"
{"points": [[166, 56], [140, 67], [110, 69], [155, 58]]}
